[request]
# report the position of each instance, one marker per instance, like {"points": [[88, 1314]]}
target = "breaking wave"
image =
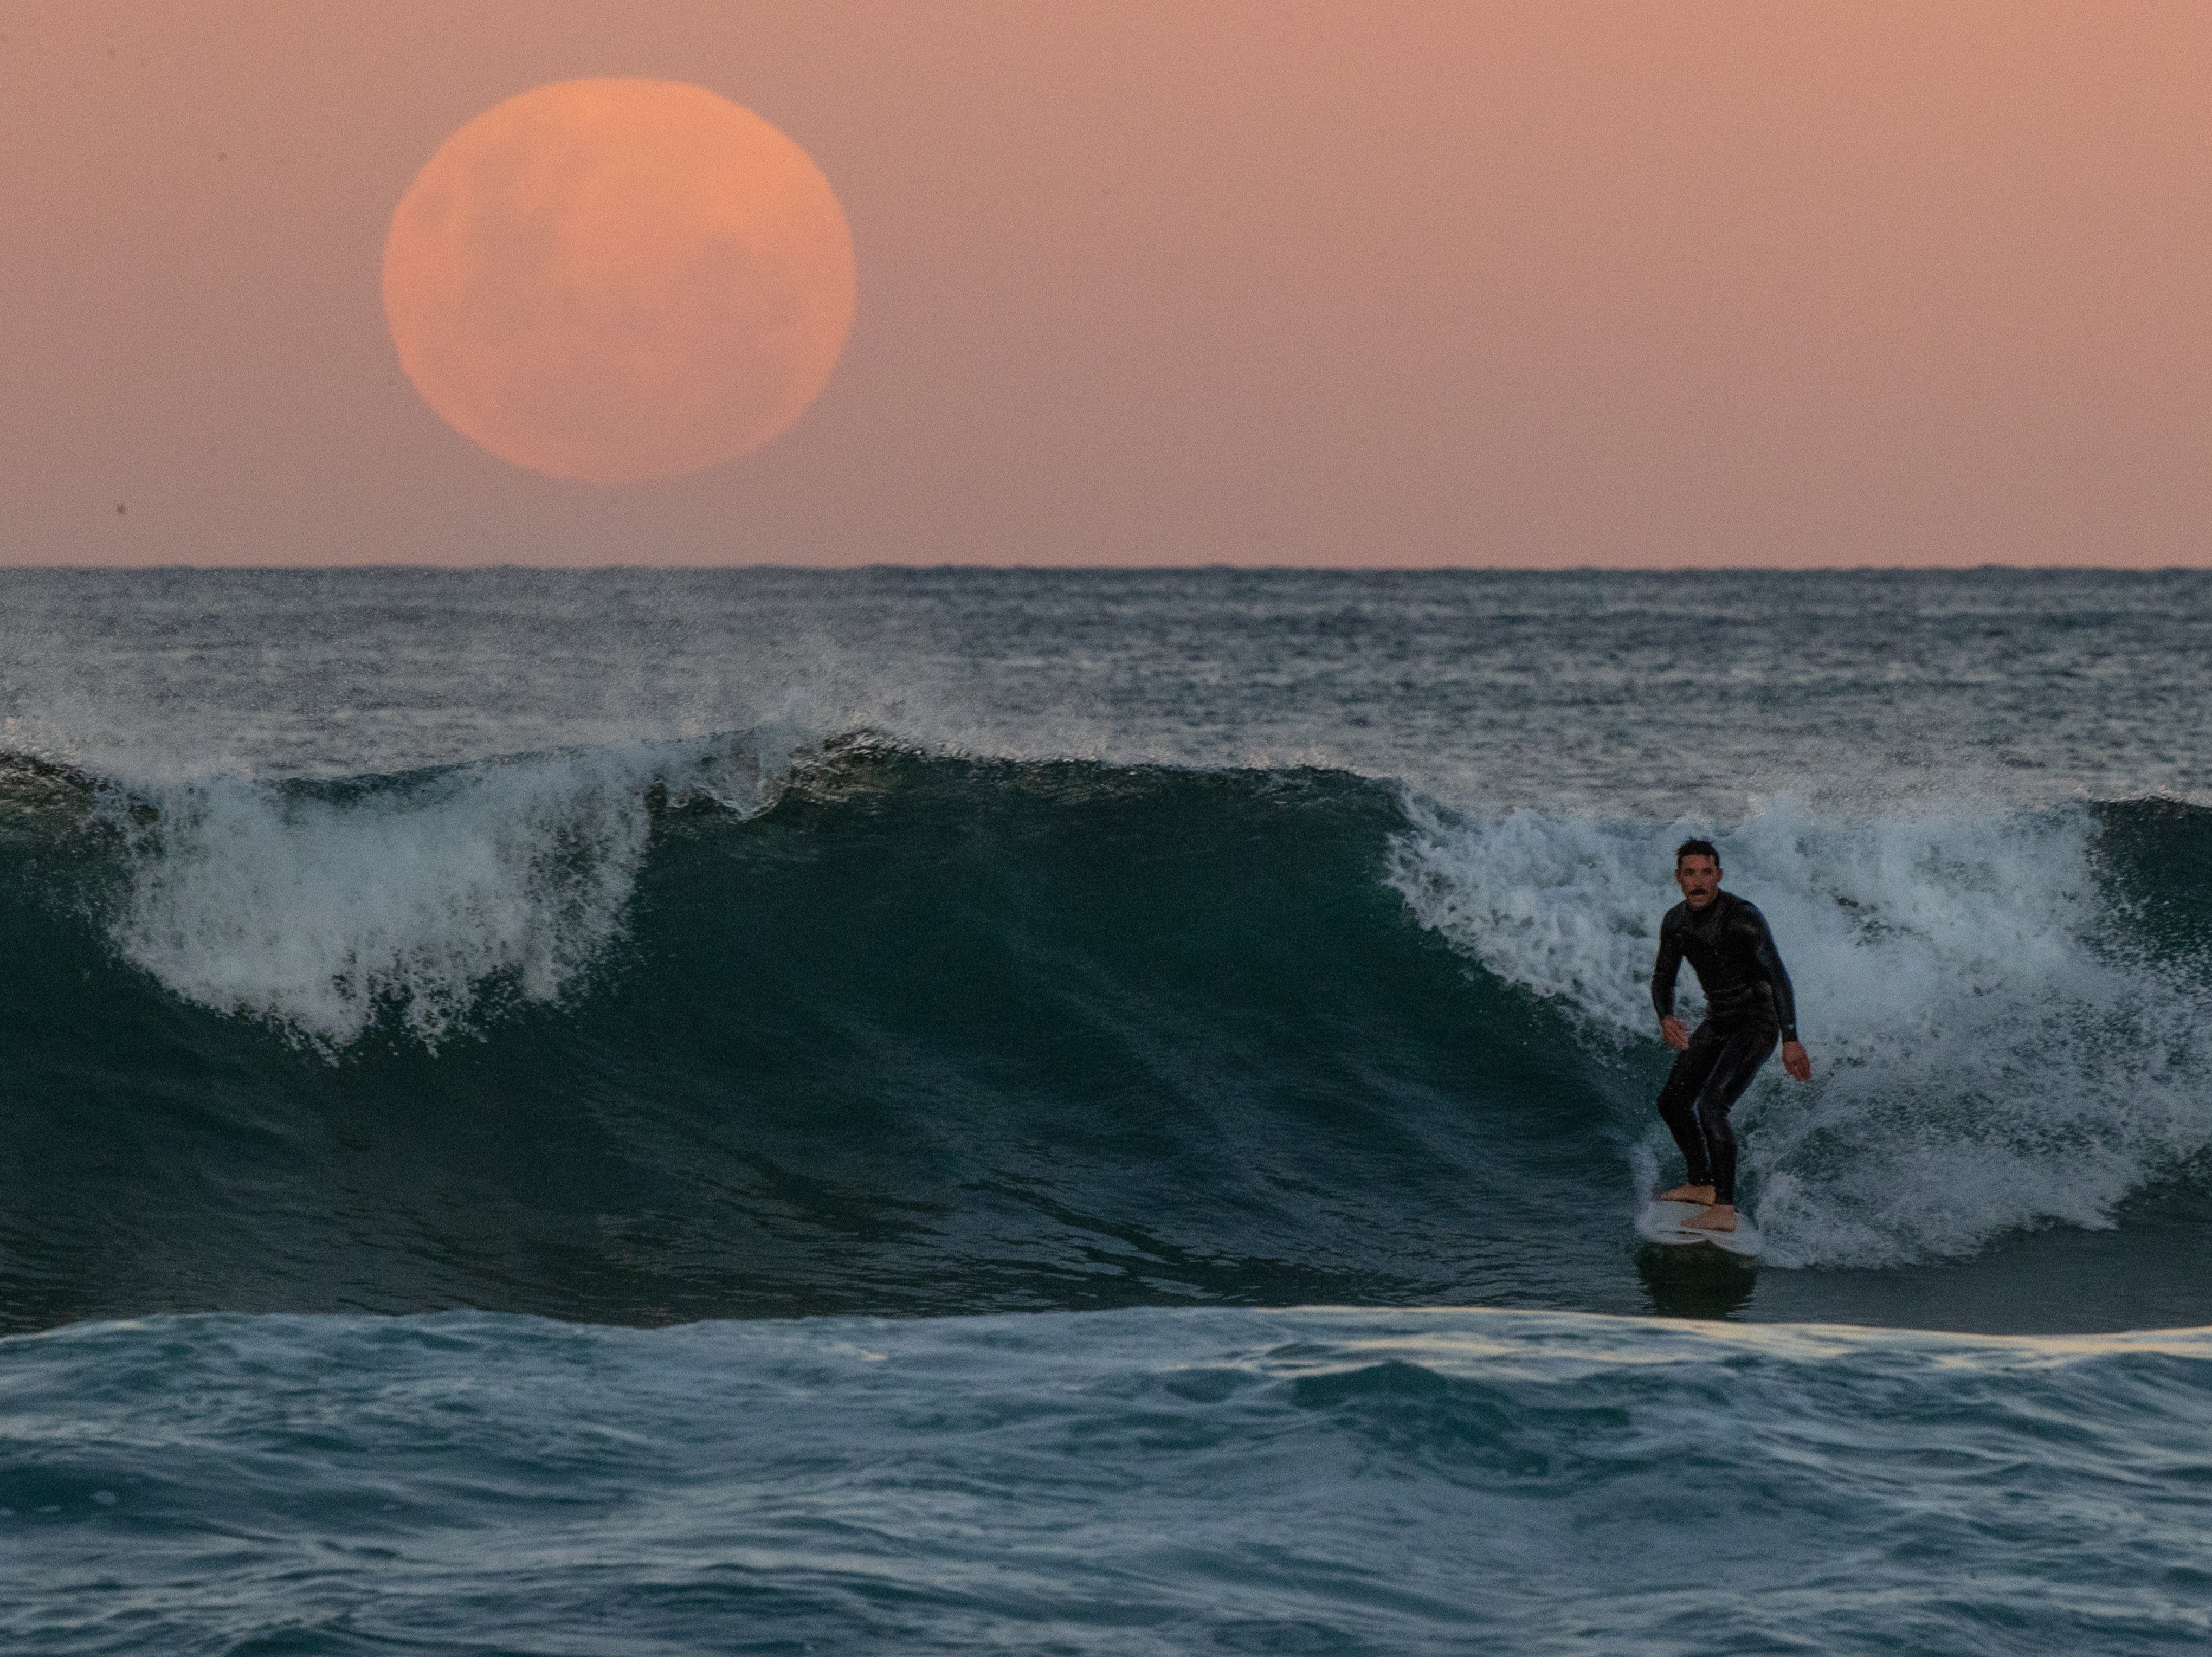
{"points": [[718, 1028]]}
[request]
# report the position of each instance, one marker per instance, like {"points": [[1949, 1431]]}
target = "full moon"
{"points": [[617, 280]]}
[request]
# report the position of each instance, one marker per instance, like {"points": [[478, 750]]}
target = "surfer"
{"points": [[1749, 1007]]}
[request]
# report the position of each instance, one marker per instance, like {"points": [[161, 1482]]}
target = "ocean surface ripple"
{"points": [[1137, 1481]]}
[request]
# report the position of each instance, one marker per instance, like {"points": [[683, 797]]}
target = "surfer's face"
{"points": [[1699, 878]]}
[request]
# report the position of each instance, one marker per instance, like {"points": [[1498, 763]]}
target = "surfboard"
{"points": [[1661, 1222]]}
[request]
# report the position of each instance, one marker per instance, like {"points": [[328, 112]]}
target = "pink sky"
{"points": [[1149, 282]]}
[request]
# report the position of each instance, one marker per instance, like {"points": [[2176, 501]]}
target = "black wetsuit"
{"points": [[1749, 1007]]}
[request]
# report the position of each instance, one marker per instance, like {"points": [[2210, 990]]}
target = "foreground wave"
{"points": [[675, 1031], [1127, 1482]]}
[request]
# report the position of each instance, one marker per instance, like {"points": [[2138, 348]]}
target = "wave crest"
{"points": [[428, 900]]}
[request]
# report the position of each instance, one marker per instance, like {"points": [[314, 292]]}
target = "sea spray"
{"points": [[428, 900]]}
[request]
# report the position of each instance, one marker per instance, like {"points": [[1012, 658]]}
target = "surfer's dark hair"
{"points": [[1697, 848]]}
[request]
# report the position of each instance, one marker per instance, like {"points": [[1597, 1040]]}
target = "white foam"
{"points": [[322, 911], [1991, 1052]]}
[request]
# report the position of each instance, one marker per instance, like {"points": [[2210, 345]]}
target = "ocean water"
{"points": [[764, 1110]]}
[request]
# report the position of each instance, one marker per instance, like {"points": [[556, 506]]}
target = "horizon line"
{"points": [[1119, 569]]}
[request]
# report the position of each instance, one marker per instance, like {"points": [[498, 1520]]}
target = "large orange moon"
{"points": [[617, 280]]}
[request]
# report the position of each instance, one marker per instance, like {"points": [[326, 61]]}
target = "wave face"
{"points": [[661, 1031], [1137, 1481]]}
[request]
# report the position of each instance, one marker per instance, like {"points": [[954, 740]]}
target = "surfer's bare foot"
{"points": [[1721, 1217], [1688, 1193]]}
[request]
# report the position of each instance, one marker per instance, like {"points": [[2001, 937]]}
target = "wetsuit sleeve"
{"points": [[1769, 961], [1666, 969]]}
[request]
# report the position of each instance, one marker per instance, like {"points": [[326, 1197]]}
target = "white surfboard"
{"points": [[1661, 1222]]}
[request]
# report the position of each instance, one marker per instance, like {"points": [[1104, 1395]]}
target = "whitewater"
{"points": [[1093, 1111]]}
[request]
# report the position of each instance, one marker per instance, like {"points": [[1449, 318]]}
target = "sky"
{"points": [[1699, 284]]}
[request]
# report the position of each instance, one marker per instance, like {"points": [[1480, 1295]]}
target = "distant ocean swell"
{"points": [[677, 1030], [1143, 1481]]}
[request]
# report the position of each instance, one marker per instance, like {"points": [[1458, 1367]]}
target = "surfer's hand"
{"points": [[1795, 1061], [1676, 1035]]}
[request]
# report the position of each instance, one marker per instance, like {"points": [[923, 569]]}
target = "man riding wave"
{"points": [[1749, 1006]]}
